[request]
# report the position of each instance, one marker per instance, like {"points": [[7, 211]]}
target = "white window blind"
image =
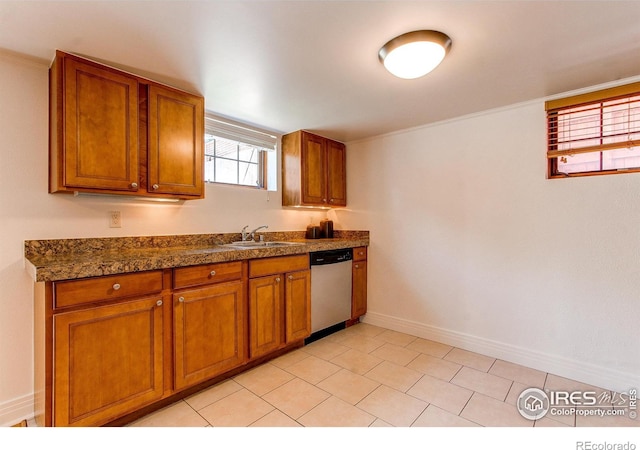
{"points": [[240, 133], [238, 154], [597, 132]]}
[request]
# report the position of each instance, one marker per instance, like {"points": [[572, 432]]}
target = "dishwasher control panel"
{"points": [[330, 256]]}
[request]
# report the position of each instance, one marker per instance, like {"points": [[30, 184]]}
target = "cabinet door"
{"points": [[265, 315], [100, 128], [209, 332], [359, 287], [298, 306], [313, 166], [336, 173], [108, 361], [176, 142]]}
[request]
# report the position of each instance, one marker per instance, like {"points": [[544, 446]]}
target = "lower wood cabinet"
{"points": [[265, 314], [99, 347], [297, 304], [108, 361], [279, 303], [209, 332], [359, 283], [106, 347]]}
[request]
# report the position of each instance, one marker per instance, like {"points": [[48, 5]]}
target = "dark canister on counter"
{"points": [[326, 228], [313, 232]]}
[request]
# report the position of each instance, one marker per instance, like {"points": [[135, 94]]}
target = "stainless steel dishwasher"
{"points": [[330, 291]]}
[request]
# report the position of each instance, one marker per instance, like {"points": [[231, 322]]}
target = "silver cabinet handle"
{"points": [[290, 277], [134, 185], [155, 186], [278, 280], [181, 299], [212, 273], [159, 303], [116, 287]]}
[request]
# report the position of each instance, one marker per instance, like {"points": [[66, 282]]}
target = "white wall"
{"points": [[27, 211], [472, 245]]}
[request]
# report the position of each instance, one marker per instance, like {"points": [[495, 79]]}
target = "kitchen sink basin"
{"points": [[263, 244]]}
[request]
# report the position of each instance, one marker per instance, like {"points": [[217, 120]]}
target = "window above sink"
{"points": [[236, 154]]}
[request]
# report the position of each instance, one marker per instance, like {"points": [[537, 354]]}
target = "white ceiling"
{"points": [[288, 65]]}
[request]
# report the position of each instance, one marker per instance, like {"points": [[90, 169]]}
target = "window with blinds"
{"points": [[595, 133], [235, 154]]}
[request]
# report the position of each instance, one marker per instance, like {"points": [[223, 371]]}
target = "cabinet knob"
{"points": [[134, 185], [116, 287], [330, 200], [278, 280], [290, 277], [324, 200], [159, 303], [155, 187], [357, 266], [212, 273], [181, 299]]}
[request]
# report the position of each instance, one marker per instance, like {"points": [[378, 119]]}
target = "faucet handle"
{"points": [[252, 234], [244, 232]]}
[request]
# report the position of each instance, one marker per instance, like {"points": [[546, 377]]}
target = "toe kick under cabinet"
{"points": [[107, 347]]}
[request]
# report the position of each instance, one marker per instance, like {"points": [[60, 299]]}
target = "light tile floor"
{"points": [[370, 376]]}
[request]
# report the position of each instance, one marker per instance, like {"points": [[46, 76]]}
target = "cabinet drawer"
{"points": [[281, 264], [206, 274], [112, 287], [360, 254]]}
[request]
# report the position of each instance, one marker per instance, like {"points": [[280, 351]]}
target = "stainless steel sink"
{"points": [[253, 244]]}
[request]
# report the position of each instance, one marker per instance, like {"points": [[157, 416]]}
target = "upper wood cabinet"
{"points": [[313, 171], [115, 133], [176, 140]]}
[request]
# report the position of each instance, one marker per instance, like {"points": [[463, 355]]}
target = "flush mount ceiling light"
{"points": [[414, 54]]}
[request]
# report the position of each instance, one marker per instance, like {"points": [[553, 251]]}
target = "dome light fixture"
{"points": [[414, 54]]}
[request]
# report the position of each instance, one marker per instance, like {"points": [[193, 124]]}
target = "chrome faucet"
{"points": [[245, 235], [252, 235]]}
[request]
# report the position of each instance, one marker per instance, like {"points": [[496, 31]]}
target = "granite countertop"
{"points": [[64, 259]]}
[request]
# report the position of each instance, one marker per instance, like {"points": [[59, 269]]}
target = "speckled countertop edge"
{"points": [[64, 259]]}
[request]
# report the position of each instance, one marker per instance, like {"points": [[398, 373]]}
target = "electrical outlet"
{"points": [[115, 219]]}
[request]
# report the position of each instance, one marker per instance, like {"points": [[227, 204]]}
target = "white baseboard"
{"points": [[16, 410], [594, 375]]}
